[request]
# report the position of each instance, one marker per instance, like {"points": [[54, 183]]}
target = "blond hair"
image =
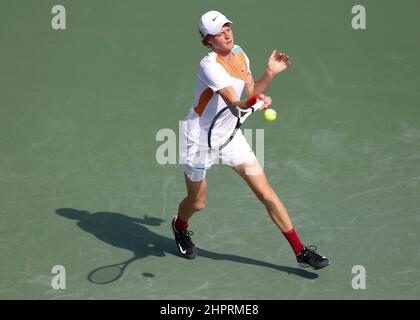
{"points": [[204, 40]]}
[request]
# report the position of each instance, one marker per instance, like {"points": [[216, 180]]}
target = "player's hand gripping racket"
{"points": [[226, 123]]}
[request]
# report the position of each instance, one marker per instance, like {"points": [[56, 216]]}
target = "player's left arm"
{"points": [[276, 64]]}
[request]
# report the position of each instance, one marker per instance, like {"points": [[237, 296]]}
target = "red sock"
{"points": [[294, 240], [181, 225]]}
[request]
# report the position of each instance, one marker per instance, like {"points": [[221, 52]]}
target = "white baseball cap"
{"points": [[212, 22]]}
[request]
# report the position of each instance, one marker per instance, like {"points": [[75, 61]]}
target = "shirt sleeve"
{"points": [[213, 75], [247, 62]]}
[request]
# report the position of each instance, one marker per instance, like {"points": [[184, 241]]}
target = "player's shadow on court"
{"points": [[130, 233]]}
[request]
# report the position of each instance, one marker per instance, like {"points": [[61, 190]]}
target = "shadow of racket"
{"points": [[108, 274]]}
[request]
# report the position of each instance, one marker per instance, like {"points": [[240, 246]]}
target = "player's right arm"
{"points": [[231, 98]]}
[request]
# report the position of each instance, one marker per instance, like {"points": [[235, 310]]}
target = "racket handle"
{"points": [[257, 106]]}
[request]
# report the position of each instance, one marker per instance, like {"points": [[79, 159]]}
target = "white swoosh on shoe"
{"points": [[182, 251]]}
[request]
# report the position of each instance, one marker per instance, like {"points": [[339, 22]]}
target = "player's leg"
{"points": [[255, 177], [193, 202], [195, 199]]}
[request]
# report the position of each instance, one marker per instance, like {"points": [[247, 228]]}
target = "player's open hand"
{"points": [[278, 62]]}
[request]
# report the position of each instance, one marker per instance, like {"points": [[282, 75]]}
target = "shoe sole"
{"points": [[176, 242], [306, 266]]}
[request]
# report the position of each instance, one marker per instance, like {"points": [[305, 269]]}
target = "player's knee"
{"points": [[266, 196]]}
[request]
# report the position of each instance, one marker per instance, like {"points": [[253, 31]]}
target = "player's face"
{"points": [[223, 41]]}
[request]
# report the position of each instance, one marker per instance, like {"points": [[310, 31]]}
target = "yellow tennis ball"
{"points": [[270, 114]]}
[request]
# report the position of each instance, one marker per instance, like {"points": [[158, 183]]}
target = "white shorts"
{"points": [[198, 160]]}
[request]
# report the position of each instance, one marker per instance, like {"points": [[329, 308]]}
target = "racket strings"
{"points": [[223, 128]]}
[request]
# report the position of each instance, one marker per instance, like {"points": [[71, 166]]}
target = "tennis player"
{"points": [[222, 76]]}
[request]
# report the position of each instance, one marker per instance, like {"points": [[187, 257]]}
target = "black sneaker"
{"points": [[309, 258], [184, 243]]}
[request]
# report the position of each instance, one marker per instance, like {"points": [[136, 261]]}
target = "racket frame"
{"points": [[241, 114]]}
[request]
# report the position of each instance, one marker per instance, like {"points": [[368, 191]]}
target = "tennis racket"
{"points": [[226, 123]]}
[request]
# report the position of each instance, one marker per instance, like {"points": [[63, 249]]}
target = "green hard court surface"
{"points": [[80, 185]]}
